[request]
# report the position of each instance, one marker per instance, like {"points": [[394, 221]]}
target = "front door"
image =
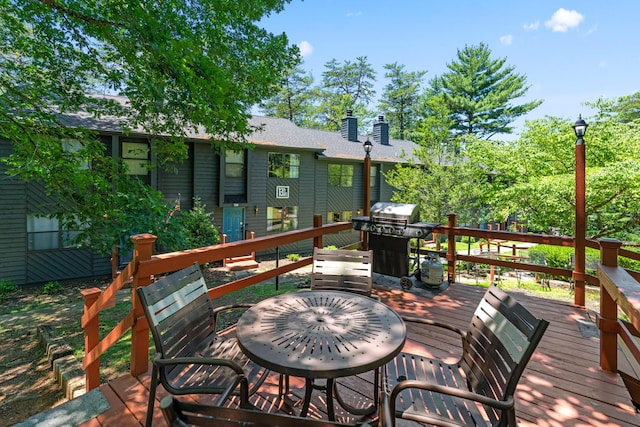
{"points": [[233, 223]]}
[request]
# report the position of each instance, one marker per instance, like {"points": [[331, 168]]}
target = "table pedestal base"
{"points": [[331, 390]]}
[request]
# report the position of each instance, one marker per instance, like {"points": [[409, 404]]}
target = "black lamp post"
{"points": [[580, 128], [366, 182]]}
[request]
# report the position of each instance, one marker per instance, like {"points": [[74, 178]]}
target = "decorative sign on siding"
{"points": [[282, 192]]}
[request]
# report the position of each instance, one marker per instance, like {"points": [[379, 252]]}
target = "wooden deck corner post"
{"points": [[451, 249], [142, 250], [91, 339], [608, 322], [317, 222]]}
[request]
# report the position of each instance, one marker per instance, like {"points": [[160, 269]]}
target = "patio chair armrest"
{"points": [[222, 308], [158, 360], [435, 323], [451, 391], [231, 307]]}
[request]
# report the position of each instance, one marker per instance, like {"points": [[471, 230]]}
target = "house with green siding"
{"points": [[289, 175]]}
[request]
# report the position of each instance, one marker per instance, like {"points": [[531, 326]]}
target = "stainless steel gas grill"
{"points": [[390, 226]]}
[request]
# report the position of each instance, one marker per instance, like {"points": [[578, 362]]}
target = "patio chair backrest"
{"points": [[343, 270], [181, 413], [499, 342], [178, 306]]}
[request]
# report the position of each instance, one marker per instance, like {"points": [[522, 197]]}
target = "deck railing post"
{"points": [[317, 222], [608, 322], [223, 240], [451, 249], [142, 250], [91, 338]]}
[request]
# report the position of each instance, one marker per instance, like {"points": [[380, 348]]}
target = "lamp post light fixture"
{"points": [[580, 128], [366, 183]]}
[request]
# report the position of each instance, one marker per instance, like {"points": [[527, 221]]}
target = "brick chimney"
{"points": [[350, 127], [381, 131]]}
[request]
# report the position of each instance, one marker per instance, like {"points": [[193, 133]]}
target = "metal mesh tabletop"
{"points": [[321, 334]]}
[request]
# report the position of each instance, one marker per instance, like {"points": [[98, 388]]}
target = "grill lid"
{"points": [[394, 219], [393, 212]]}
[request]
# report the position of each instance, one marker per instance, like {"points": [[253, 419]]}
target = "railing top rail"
{"points": [[624, 289], [171, 261], [512, 235]]}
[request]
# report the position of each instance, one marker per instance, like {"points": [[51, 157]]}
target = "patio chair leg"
{"points": [[152, 395]]}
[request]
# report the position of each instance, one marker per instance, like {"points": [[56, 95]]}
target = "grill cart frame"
{"points": [[390, 227]]}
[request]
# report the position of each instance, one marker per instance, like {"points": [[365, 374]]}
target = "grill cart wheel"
{"points": [[406, 283]]}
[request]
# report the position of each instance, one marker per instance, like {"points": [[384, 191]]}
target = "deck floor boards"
{"points": [[562, 386]]}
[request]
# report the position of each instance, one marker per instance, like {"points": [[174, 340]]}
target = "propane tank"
{"points": [[431, 271]]}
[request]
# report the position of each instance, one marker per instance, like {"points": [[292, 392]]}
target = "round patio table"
{"points": [[321, 334]]}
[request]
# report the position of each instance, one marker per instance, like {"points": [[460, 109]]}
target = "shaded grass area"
{"points": [[116, 360], [557, 290]]}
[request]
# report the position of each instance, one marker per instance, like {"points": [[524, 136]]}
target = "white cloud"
{"points": [[563, 19], [305, 48], [532, 26], [506, 40]]}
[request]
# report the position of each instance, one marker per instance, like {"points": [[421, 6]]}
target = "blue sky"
{"points": [[571, 51]]}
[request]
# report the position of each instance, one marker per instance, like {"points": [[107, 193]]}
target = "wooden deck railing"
{"points": [[145, 265], [619, 289], [451, 230], [616, 283]]}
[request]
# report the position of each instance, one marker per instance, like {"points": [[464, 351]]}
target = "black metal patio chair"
{"points": [[191, 357], [479, 388]]}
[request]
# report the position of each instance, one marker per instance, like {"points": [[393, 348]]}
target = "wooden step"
{"points": [[242, 264]]}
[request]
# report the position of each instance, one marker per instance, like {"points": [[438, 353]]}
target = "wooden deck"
{"points": [[562, 385]]}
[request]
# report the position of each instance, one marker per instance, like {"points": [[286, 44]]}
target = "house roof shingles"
{"points": [[330, 145], [283, 133]]}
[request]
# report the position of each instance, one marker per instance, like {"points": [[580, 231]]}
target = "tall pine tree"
{"points": [[479, 91], [294, 99], [400, 97]]}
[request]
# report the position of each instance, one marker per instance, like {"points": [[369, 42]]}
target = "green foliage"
{"points": [[346, 86], [479, 92], [539, 176], [293, 257], [399, 99], [552, 256], [562, 257], [6, 287], [189, 229], [331, 247], [441, 179], [51, 288], [183, 66], [199, 226], [628, 107], [294, 100], [630, 264]]}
